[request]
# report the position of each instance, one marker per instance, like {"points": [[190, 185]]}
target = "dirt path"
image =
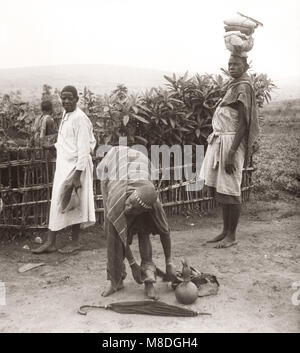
{"points": [[255, 279]]}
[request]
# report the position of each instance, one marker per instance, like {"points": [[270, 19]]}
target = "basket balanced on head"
{"points": [[238, 36]]}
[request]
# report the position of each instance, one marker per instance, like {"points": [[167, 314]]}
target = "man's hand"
{"points": [[170, 272], [76, 180], [229, 163], [136, 273], [135, 268], [76, 183], [208, 191]]}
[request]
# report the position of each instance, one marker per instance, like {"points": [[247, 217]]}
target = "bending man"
{"points": [[131, 206]]}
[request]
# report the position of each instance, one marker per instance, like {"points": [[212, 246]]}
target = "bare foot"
{"points": [[110, 290], [217, 238], [226, 243], [69, 249], [44, 249], [150, 291]]}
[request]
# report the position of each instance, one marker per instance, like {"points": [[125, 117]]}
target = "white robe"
{"points": [[225, 125], [74, 145]]}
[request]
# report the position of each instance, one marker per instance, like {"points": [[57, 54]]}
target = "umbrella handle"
{"points": [[81, 310]]}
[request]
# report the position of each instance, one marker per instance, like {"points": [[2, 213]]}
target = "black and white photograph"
{"points": [[149, 169]]}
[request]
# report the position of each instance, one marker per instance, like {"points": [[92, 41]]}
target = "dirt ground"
{"points": [[255, 276]]}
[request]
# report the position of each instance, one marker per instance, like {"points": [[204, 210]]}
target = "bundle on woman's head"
{"points": [[238, 36]]}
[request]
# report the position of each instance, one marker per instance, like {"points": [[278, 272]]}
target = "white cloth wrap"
{"points": [[225, 125], [75, 142]]}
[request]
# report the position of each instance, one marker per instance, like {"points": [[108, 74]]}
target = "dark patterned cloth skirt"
{"points": [[225, 199]]}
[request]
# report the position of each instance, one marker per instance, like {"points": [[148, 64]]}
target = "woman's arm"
{"points": [[241, 131]]}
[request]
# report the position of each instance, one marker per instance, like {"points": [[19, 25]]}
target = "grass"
{"points": [[277, 160]]}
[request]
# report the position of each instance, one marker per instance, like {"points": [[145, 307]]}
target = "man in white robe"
{"points": [[74, 170]]}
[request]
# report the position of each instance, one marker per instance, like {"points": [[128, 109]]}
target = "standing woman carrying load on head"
{"points": [[235, 128]]}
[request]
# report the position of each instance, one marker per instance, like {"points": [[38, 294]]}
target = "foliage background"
{"points": [[180, 112]]}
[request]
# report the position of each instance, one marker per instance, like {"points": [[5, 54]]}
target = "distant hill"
{"points": [[98, 78], [103, 78]]}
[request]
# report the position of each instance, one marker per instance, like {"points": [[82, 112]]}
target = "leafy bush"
{"points": [[179, 113]]}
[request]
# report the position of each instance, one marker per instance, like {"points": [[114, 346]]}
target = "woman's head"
{"points": [[237, 65], [141, 200]]}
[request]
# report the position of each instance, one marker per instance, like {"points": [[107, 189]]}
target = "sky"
{"points": [[172, 35]]}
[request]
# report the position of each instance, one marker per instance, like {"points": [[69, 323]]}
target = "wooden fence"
{"points": [[26, 176]]}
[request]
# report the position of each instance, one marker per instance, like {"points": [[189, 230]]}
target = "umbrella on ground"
{"points": [[146, 307]]}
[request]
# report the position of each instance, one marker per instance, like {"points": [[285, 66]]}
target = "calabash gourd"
{"points": [[186, 292]]}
